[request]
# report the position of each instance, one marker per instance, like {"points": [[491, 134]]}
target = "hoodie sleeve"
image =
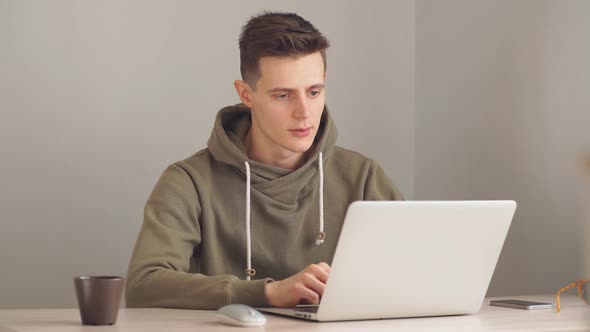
{"points": [[379, 187], [159, 274]]}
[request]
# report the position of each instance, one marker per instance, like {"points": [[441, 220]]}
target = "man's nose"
{"points": [[302, 109]]}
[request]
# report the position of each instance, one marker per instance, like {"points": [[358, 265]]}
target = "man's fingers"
{"points": [[306, 286], [325, 266], [308, 295], [311, 281], [319, 272]]}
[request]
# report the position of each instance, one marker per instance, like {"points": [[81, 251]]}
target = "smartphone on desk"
{"points": [[520, 304]]}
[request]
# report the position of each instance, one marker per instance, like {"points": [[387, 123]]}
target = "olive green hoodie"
{"points": [[197, 240]]}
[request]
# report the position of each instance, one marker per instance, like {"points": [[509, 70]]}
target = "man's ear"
{"points": [[244, 92]]}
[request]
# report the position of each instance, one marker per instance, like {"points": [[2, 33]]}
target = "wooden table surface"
{"points": [[574, 316]]}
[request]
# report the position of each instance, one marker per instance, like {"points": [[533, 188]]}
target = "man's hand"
{"points": [[306, 286]]}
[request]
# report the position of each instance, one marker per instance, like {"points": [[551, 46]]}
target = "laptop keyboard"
{"points": [[312, 309]]}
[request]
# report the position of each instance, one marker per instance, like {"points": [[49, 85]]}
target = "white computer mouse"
{"points": [[240, 315]]}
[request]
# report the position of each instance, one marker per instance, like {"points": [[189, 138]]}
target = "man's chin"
{"points": [[301, 148]]}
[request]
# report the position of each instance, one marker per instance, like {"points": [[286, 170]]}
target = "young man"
{"points": [[255, 217]]}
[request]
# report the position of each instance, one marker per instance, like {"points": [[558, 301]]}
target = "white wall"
{"points": [[97, 98], [502, 111]]}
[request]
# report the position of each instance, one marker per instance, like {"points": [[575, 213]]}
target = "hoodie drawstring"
{"points": [[250, 272], [321, 235]]}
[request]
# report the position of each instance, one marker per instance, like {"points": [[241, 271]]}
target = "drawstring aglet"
{"points": [[320, 239], [250, 272]]}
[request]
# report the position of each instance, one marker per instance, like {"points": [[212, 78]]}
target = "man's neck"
{"points": [[279, 158]]}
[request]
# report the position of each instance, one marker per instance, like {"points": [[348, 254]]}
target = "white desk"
{"points": [[574, 316]]}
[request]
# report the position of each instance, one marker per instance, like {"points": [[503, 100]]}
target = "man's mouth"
{"points": [[301, 132]]}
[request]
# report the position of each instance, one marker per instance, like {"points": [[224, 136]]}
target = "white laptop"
{"points": [[397, 259]]}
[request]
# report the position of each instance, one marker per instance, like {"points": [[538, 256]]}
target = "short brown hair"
{"points": [[277, 34]]}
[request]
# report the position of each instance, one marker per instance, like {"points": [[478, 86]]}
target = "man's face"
{"points": [[288, 103]]}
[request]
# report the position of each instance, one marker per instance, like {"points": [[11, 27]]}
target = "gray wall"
{"points": [[502, 111], [456, 99], [97, 98]]}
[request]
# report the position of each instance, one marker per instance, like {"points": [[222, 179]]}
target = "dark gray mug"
{"points": [[99, 298]]}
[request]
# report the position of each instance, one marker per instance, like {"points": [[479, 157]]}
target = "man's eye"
{"points": [[282, 96], [314, 93]]}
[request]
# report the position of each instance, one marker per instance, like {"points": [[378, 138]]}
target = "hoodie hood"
{"points": [[281, 185], [282, 188]]}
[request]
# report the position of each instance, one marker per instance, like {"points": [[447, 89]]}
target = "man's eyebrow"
{"points": [[315, 86]]}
